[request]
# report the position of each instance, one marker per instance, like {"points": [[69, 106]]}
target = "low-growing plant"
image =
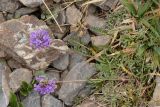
{"points": [[14, 101], [139, 8], [25, 88], [129, 63]]}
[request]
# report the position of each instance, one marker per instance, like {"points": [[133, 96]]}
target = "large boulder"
{"points": [[4, 86], [15, 36], [73, 15], [9, 5], [19, 75], [50, 101], [32, 100], [155, 101], [81, 71], [62, 62], [31, 3]]}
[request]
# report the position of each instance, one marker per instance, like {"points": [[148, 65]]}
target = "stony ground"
{"points": [[71, 59]]}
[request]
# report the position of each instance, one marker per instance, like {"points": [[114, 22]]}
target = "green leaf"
{"points": [[156, 59], [143, 8], [24, 84], [130, 6], [156, 2], [155, 22], [20, 104], [24, 93], [33, 82], [100, 31], [25, 88], [141, 49], [157, 50], [147, 24], [13, 101]]}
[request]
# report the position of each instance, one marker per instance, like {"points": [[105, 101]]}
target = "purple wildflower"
{"points": [[44, 86], [40, 39], [40, 78]]}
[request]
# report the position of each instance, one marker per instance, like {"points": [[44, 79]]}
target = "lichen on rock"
{"points": [[15, 42]]}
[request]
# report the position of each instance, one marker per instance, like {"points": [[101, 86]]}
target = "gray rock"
{"points": [[94, 21], [50, 101], [92, 9], [56, 31], [74, 59], [2, 54], [53, 70], [9, 5], [59, 35], [85, 91], [58, 12], [1, 17], [83, 38], [32, 100], [14, 64], [62, 62], [49, 3], [9, 16], [81, 71], [73, 15], [107, 4], [61, 19], [14, 41], [155, 101], [64, 74], [24, 11], [88, 103], [31, 3], [100, 40], [53, 75], [71, 36], [55, 8], [4, 86], [19, 75]]}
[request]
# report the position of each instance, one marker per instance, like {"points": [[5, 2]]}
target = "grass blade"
{"points": [[143, 8], [130, 6]]}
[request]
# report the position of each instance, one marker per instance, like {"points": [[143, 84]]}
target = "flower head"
{"points": [[44, 86], [40, 39], [40, 78]]}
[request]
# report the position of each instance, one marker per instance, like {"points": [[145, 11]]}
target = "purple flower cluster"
{"points": [[40, 39], [44, 86]]}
